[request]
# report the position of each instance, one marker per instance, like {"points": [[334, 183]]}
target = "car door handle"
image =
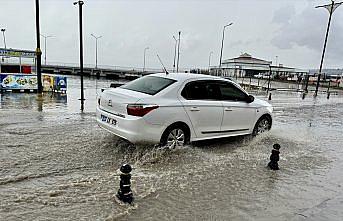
{"points": [[194, 109], [227, 109]]}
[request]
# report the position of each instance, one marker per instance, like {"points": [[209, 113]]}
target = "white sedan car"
{"points": [[177, 108]]}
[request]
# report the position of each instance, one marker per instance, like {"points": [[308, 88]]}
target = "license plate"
{"points": [[108, 120]]}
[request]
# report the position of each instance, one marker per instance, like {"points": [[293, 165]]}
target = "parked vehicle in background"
{"points": [[336, 79], [259, 75], [175, 109], [292, 77], [266, 76], [262, 76]]}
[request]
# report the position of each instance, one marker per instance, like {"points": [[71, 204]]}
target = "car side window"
{"points": [[201, 90], [194, 91], [231, 92], [213, 90]]}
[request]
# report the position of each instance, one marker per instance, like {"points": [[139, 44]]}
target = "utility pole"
{"points": [[38, 52], [331, 8], [144, 58], [96, 49], [209, 61], [175, 47], [221, 49], [45, 37], [80, 3], [270, 74], [3, 34], [178, 53]]}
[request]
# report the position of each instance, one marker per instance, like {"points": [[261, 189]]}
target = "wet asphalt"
{"points": [[57, 164]]}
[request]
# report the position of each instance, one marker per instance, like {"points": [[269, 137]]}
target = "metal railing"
{"points": [[111, 67]]}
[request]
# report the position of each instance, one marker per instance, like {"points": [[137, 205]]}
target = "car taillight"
{"points": [[140, 110]]}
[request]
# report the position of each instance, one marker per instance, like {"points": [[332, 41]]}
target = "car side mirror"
{"points": [[250, 99]]}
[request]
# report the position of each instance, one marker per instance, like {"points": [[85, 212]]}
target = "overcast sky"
{"points": [[293, 30]]}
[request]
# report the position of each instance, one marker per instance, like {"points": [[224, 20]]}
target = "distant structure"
{"points": [[247, 66], [17, 67], [22, 77]]}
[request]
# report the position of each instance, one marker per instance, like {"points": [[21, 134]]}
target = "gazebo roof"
{"points": [[246, 58]]}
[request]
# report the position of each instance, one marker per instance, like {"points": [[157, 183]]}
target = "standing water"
{"points": [[56, 164]]}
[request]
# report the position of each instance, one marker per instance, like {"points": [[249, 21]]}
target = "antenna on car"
{"points": [[165, 70]]}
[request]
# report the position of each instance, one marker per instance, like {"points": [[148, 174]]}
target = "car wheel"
{"points": [[263, 124], [174, 137]]}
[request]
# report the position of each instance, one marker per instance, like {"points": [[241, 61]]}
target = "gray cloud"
{"points": [[284, 14], [307, 30], [291, 29]]}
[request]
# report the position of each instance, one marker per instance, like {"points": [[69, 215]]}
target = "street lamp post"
{"points": [[270, 74], [277, 65], [178, 53], [175, 47], [3, 34], [209, 61], [38, 52], [144, 58], [45, 37], [221, 49], [96, 49], [80, 3], [331, 8]]}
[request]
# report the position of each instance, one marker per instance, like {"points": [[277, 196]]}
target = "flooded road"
{"points": [[57, 164]]}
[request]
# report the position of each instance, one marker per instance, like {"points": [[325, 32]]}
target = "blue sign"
{"points": [[60, 83]]}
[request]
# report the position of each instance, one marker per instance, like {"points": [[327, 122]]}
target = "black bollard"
{"points": [[124, 193], [270, 96], [274, 157]]}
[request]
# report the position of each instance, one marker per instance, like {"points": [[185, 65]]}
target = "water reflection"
{"points": [[33, 101], [59, 102]]}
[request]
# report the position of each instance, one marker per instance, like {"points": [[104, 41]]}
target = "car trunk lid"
{"points": [[116, 100]]}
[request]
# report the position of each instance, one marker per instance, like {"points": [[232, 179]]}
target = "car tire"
{"points": [[175, 136], [262, 125]]}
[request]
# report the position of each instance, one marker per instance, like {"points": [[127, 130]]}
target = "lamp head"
{"points": [[228, 25], [78, 2]]}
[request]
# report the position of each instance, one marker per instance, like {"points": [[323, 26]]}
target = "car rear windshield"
{"points": [[149, 84]]}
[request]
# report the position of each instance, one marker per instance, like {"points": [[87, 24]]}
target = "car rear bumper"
{"points": [[134, 129]]}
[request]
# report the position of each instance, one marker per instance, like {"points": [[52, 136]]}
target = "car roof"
{"points": [[185, 76]]}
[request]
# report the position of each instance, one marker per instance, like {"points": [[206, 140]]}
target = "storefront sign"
{"points": [[17, 53], [29, 82]]}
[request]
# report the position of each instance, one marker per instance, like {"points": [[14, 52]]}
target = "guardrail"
{"points": [[105, 67], [111, 67]]}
